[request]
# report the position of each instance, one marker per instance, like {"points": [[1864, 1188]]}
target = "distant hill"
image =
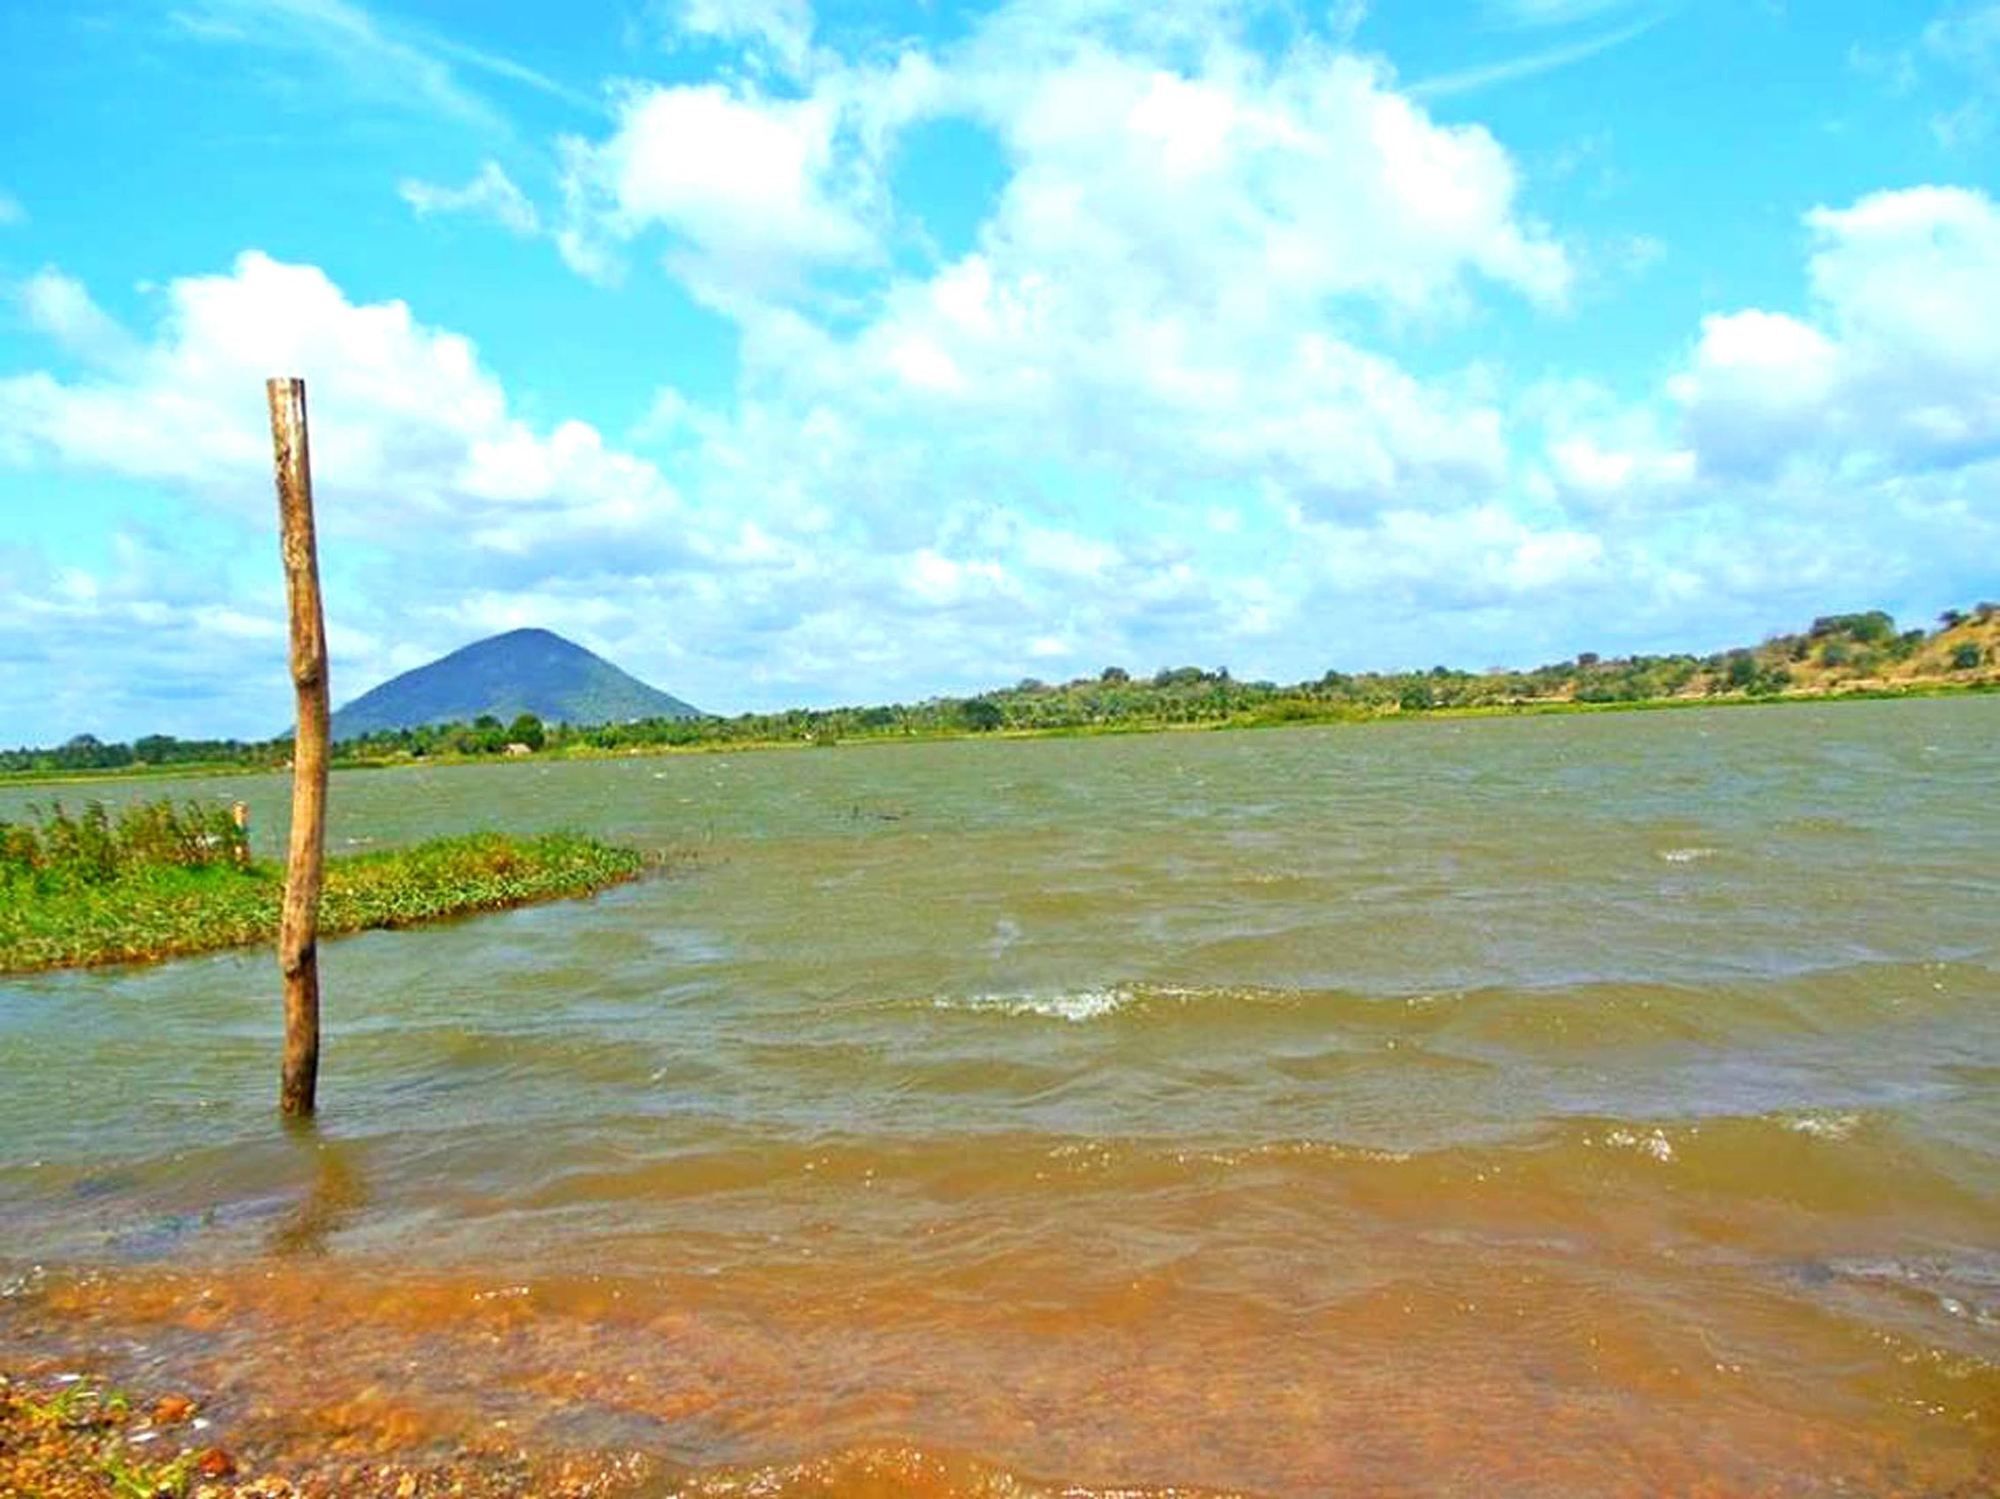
{"points": [[522, 671]]}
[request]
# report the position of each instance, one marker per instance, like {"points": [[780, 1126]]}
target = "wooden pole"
{"points": [[298, 924]]}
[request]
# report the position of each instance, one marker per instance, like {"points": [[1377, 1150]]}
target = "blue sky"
{"points": [[800, 355]]}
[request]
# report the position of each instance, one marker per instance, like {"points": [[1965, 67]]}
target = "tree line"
{"points": [[1836, 649]]}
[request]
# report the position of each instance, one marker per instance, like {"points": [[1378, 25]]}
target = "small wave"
{"points": [[1824, 1126], [1647, 1142], [1075, 1005], [1692, 855], [1102, 1001], [1570, 1016], [1293, 1150]]}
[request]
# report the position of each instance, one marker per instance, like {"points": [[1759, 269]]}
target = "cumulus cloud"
{"points": [[491, 194], [740, 183], [1896, 363], [62, 308], [1164, 145], [1587, 467], [409, 427], [1312, 178], [1162, 290]]}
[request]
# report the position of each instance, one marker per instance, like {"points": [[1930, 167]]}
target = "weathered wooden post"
{"points": [[298, 923]]}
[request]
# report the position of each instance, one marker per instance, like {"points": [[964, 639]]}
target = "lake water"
{"points": [[1531, 1106]]}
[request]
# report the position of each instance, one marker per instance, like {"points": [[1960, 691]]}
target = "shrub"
{"points": [[93, 847], [1967, 657], [1867, 628], [1770, 682]]}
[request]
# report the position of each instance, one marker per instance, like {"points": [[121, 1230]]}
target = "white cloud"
{"points": [[61, 308], [1897, 361], [741, 183], [154, 638], [937, 579], [1307, 178], [1161, 292], [777, 31], [490, 194], [1162, 144], [11, 211], [1587, 467], [1067, 554], [408, 427], [1457, 557]]}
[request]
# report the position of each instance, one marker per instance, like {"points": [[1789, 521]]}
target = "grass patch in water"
{"points": [[159, 882]]}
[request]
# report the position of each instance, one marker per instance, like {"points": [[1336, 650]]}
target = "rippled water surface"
{"points": [[1540, 1106]]}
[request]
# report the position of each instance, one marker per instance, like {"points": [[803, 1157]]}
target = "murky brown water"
{"points": [[1542, 1106]]}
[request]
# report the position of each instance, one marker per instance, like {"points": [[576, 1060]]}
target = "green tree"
{"points": [[1867, 628], [982, 715], [527, 729]]}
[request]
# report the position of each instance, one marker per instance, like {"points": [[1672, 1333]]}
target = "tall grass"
{"points": [[156, 881], [94, 847]]}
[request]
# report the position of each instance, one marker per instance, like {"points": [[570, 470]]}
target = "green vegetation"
{"points": [[1839, 655], [85, 1440], [60, 851], [158, 880]]}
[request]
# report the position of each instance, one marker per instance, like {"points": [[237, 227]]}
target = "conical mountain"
{"points": [[522, 671]]}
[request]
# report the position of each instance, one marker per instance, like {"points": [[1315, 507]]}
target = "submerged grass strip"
{"points": [[165, 910]]}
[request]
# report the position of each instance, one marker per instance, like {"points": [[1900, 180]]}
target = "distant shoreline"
{"points": [[1341, 714]]}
